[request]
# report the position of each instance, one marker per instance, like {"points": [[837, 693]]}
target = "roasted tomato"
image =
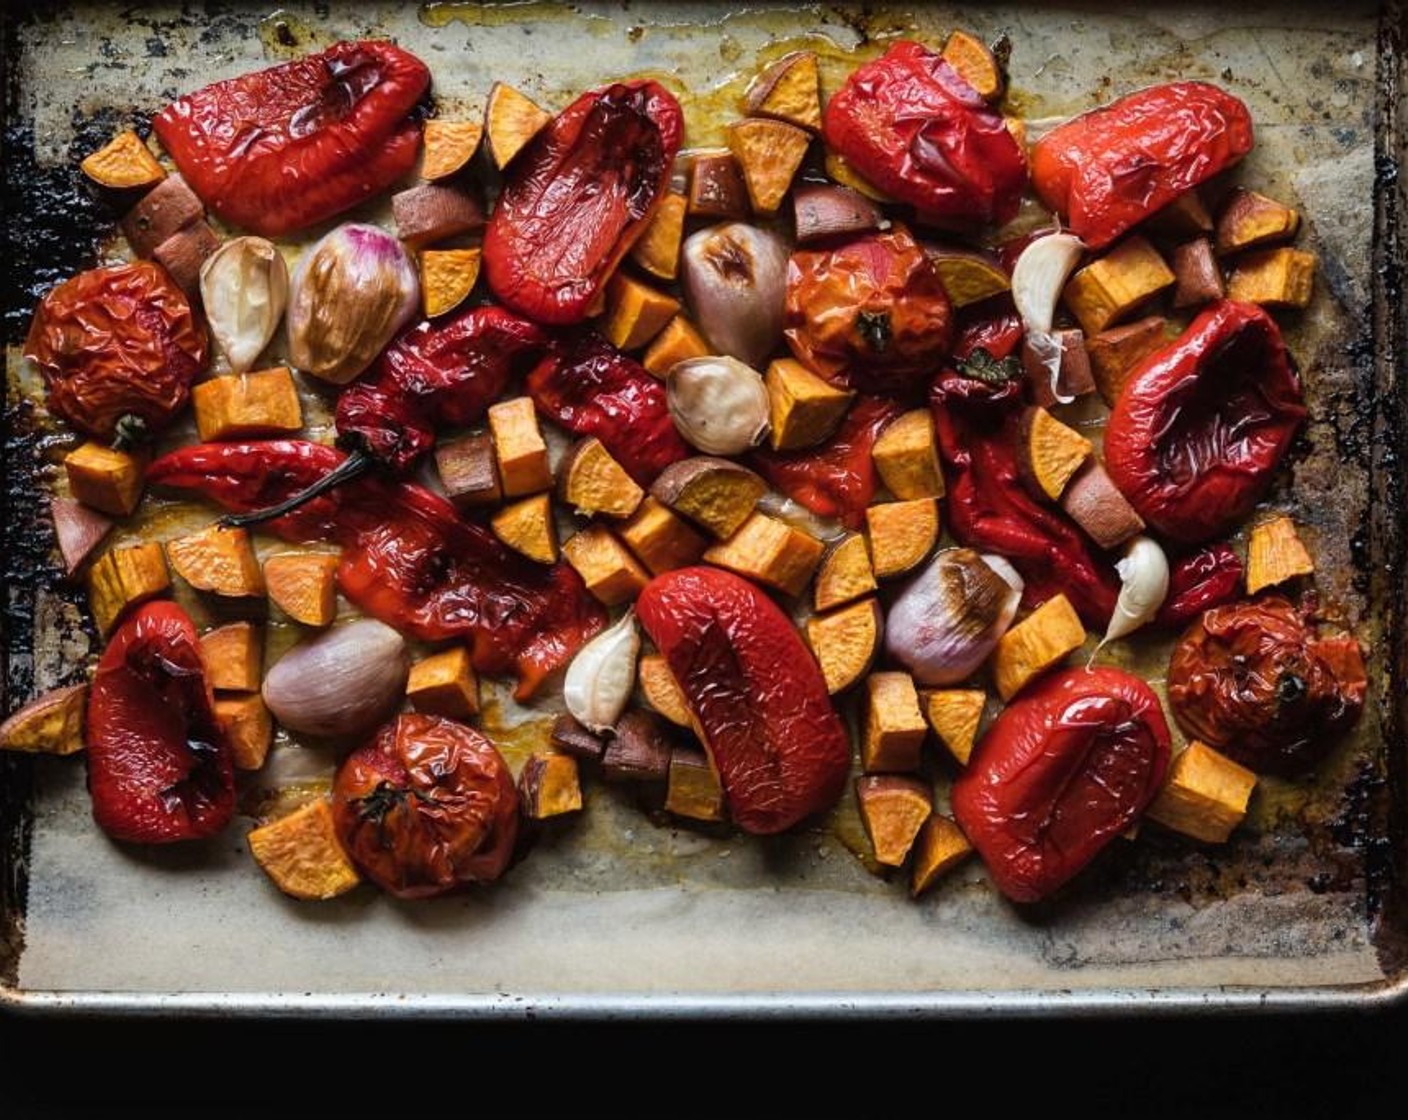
{"points": [[159, 767], [1256, 680], [871, 314], [1207, 578], [911, 126], [426, 806], [1109, 169], [283, 148], [117, 343], [1201, 425], [1066, 768]]}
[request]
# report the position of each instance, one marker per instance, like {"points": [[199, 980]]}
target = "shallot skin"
{"points": [[339, 683], [735, 280]]}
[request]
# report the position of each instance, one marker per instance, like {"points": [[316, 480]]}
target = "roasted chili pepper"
{"points": [[592, 389], [836, 479], [578, 196], [287, 147], [1109, 169], [977, 420], [407, 558], [118, 347], [1207, 578], [159, 767], [1200, 426], [910, 125], [761, 704], [1065, 769], [425, 807], [870, 314], [1257, 680]]}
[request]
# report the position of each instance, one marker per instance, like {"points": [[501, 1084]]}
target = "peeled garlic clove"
{"points": [[244, 286], [350, 294], [1143, 573], [735, 281], [342, 682], [1040, 274], [600, 679], [718, 404]]}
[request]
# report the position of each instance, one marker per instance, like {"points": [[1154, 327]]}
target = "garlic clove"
{"points": [[1144, 577], [1040, 274], [735, 281], [602, 675], [244, 287], [342, 682], [718, 404]]}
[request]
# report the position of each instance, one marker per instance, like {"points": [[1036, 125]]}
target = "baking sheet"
{"points": [[618, 912]]}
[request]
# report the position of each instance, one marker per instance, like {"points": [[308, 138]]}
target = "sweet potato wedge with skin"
{"points": [[468, 472], [1273, 278], [549, 786], [845, 642], [694, 790], [907, 457], [641, 749], [1250, 219], [662, 540], [975, 64], [51, 723], [1205, 794], [301, 854], [1114, 353], [1038, 642], [243, 406], [769, 153], [528, 527], [123, 163], [431, 212], [107, 480], [679, 341], [1049, 453], [511, 119], [662, 692], [825, 210], [788, 90], [163, 211], [1073, 379], [572, 738], [218, 560], [635, 312], [447, 276], [79, 530], [954, 714], [715, 493], [894, 729], [968, 276], [1094, 502], [609, 571], [444, 684], [771, 552], [448, 146], [591, 481], [1108, 289], [939, 847], [1186, 216], [234, 657], [901, 534], [1199, 280], [301, 584], [248, 725], [657, 250], [845, 573], [519, 449], [803, 409], [123, 577], [893, 810], [716, 186], [1275, 554], [183, 253]]}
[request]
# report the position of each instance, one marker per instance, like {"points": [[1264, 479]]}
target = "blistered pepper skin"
{"points": [[759, 698], [1065, 769]]}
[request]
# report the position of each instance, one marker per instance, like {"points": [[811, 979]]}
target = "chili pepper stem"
{"points": [[355, 465]]}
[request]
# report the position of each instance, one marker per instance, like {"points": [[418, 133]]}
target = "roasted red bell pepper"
{"points": [[992, 326], [577, 198], [1198, 430], [1109, 169], [159, 767], [1065, 769], [592, 389], [1210, 577], [407, 557], [912, 127], [757, 693], [284, 148]]}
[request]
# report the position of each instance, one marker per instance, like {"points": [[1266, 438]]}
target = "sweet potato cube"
{"points": [[901, 534], [234, 657], [1035, 644], [845, 573], [641, 749], [572, 738], [302, 855], [184, 252], [662, 540], [248, 725], [1273, 278], [549, 786], [107, 480], [803, 409], [609, 571], [715, 493], [1115, 353], [1249, 219], [447, 276], [1049, 452], [969, 277], [1073, 376], [448, 146], [218, 560], [845, 642], [954, 714], [162, 212], [678, 341], [1199, 280], [444, 684], [123, 577], [1186, 216], [302, 585], [839, 169], [907, 458], [657, 250], [1275, 554], [511, 120], [635, 312], [716, 187], [591, 481], [1205, 795], [694, 789], [1108, 289], [893, 810], [975, 64], [771, 552], [894, 727], [78, 529], [519, 448], [940, 847], [51, 723], [123, 163], [662, 692], [788, 90], [242, 405], [467, 470], [528, 527], [769, 152], [1094, 502]]}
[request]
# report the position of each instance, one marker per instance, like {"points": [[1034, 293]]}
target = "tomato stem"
{"points": [[354, 466]]}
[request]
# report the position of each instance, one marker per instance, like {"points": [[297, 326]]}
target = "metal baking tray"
{"points": [[621, 914]]}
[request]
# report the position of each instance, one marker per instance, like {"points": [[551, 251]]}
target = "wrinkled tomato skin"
{"points": [[1199, 428], [160, 769], [114, 342], [912, 127], [427, 806], [1256, 680], [766, 718], [1207, 578], [578, 196], [1066, 768], [284, 148], [1109, 169]]}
